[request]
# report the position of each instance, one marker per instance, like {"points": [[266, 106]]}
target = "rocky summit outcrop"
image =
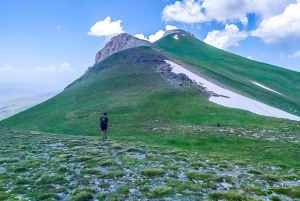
{"points": [[118, 43], [178, 31]]}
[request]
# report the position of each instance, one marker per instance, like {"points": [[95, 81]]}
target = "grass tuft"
{"points": [[229, 196], [8, 160], [124, 189], [91, 171], [82, 196], [293, 192], [105, 163], [79, 190], [161, 192], [153, 172], [270, 178], [52, 179], [256, 172], [206, 177], [63, 169]]}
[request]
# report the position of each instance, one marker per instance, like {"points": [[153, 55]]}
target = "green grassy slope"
{"points": [[143, 107], [133, 93], [235, 72]]}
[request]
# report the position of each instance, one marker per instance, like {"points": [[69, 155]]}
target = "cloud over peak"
{"points": [[158, 35], [106, 28]]}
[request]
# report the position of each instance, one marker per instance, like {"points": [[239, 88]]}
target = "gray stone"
{"points": [[118, 43]]}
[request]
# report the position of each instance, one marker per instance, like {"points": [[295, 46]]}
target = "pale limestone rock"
{"points": [[118, 43]]}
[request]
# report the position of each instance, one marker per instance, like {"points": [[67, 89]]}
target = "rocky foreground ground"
{"points": [[36, 166]]}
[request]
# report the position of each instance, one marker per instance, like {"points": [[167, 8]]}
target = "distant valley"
{"points": [[11, 107]]}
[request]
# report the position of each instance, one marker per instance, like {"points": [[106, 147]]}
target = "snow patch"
{"points": [[176, 37], [265, 87], [235, 100]]}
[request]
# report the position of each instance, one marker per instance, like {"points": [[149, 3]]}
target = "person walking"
{"points": [[104, 125]]}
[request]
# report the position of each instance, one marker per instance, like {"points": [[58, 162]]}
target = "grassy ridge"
{"points": [[133, 93], [143, 107], [237, 72]]}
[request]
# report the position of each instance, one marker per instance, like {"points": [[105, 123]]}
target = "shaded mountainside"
{"points": [[235, 72]]}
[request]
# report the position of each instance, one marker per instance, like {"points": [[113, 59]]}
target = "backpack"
{"points": [[103, 120]]}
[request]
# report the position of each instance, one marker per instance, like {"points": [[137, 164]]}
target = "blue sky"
{"points": [[48, 41]]}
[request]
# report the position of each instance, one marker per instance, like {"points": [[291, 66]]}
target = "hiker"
{"points": [[103, 125]]}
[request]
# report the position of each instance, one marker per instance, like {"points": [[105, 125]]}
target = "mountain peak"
{"points": [[118, 43], [178, 31]]}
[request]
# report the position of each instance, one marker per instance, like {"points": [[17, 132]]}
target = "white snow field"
{"points": [[260, 85], [235, 100]]}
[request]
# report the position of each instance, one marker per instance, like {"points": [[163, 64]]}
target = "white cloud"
{"points": [[227, 11], [280, 27], [244, 20], [188, 11], [152, 38], [141, 36], [237, 10], [249, 57], [106, 28], [158, 35], [296, 54], [223, 39], [170, 27], [7, 67], [58, 27], [63, 68]]}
